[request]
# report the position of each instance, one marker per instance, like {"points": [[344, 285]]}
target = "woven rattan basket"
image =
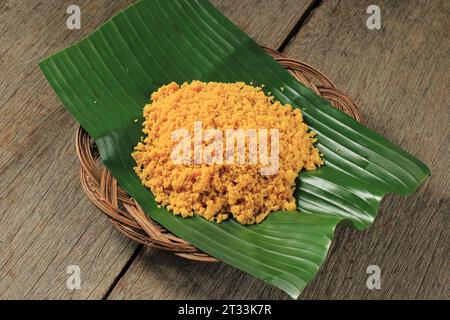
{"points": [[126, 215]]}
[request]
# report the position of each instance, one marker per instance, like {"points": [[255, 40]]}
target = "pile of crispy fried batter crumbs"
{"points": [[216, 190]]}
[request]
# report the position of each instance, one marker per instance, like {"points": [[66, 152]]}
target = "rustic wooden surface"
{"points": [[397, 75]]}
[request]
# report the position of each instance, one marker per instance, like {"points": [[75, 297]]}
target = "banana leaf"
{"points": [[105, 80]]}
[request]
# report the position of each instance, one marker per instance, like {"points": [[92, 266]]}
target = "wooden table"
{"points": [[399, 76]]}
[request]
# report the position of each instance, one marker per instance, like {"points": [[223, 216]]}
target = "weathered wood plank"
{"points": [[160, 275], [47, 223], [268, 22], [399, 77]]}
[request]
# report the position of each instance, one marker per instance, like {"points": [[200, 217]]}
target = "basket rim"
{"points": [[125, 213]]}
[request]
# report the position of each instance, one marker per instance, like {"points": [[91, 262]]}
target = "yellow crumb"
{"points": [[221, 191]]}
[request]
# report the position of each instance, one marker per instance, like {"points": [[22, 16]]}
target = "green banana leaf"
{"points": [[106, 79]]}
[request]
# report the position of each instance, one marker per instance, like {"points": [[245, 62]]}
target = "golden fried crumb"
{"points": [[220, 191]]}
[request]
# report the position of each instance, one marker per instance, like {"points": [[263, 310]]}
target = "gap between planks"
{"points": [[299, 24], [123, 271]]}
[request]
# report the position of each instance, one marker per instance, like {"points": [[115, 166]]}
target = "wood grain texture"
{"points": [[46, 222], [399, 76], [156, 274], [268, 22]]}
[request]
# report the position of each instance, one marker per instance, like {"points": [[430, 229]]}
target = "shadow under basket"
{"points": [[128, 217]]}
